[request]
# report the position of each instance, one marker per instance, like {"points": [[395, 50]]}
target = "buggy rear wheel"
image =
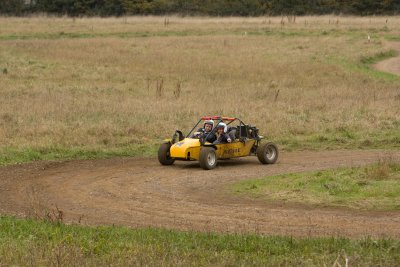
{"points": [[267, 153], [164, 156], [208, 158]]}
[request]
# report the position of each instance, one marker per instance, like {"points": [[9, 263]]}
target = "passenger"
{"points": [[222, 136], [232, 132], [206, 132]]}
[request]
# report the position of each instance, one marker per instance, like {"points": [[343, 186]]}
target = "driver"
{"points": [[206, 132]]}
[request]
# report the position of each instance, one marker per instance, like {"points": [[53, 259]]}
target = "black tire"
{"points": [[267, 153], [208, 158], [164, 156]]}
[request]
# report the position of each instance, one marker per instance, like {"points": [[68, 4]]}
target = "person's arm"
{"points": [[211, 138], [198, 133], [228, 138]]}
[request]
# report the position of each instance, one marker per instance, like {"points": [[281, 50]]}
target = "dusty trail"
{"points": [[391, 65], [140, 192]]}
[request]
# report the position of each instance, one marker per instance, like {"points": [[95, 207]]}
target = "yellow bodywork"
{"points": [[189, 149]]}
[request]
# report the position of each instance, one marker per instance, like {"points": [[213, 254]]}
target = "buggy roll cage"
{"points": [[244, 130]]}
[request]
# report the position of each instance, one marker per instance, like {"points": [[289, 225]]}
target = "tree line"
{"points": [[199, 7]]}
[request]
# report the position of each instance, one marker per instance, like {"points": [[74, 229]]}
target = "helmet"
{"points": [[211, 122], [222, 125]]}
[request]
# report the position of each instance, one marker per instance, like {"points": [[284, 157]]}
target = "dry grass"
{"points": [[96, 83], [40, 24]]}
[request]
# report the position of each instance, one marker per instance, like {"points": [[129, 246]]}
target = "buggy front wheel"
{"points": [[267, 153], [164, 156], [208, 158]]}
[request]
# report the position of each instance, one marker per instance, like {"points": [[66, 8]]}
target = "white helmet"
{"points": [[222, 125], [211, 122]]}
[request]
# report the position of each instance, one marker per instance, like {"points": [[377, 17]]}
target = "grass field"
{"points": [[90, 87], [45, 243], [374, 187], [94, 88]]}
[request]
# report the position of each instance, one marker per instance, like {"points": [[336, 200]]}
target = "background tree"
{"points": [[12, 7], [200, 7]]}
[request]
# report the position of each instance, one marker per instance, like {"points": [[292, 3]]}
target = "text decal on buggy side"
{"points": [[231, 151]]}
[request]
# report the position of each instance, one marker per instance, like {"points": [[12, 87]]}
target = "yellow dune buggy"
{"points": [[245, 142]]}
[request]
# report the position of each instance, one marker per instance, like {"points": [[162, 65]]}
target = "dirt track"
{"points": [[140, 192], [391, 65]]}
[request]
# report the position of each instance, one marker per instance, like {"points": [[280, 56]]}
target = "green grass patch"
{"points": [[379, 57], [363, 66], [338, 139], [32, 242], [85, 35], [10, 156], [266, 31], [392, 37], [374, 187], [341, 139]]}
